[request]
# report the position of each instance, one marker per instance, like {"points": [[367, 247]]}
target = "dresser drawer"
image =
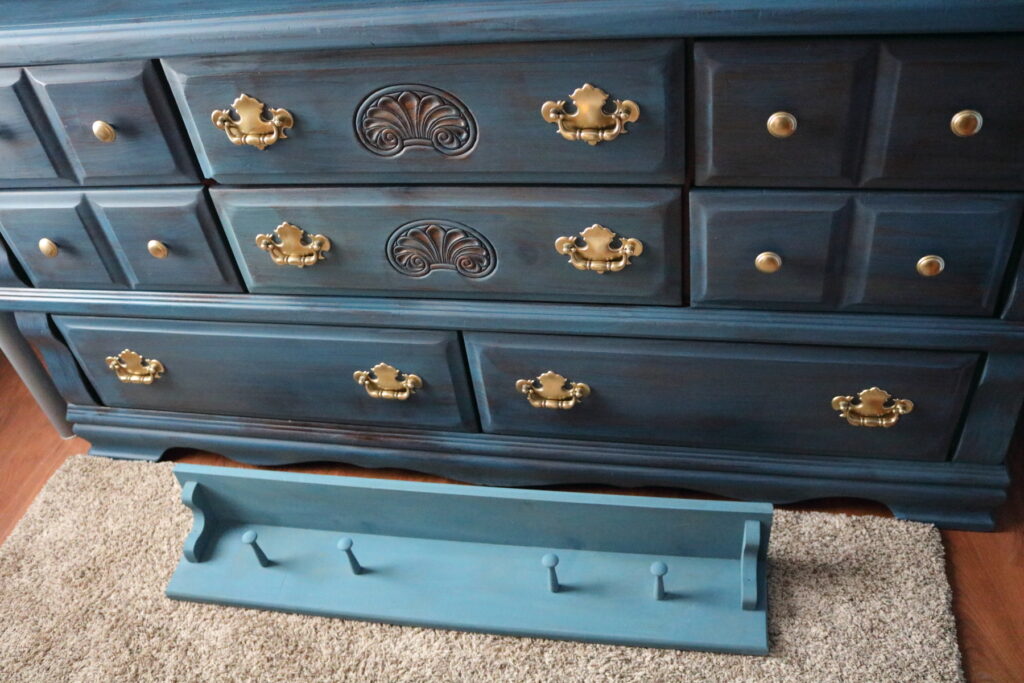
{"points": [[276, 371], [719, 395], [904, 113], [497, 243], [851, 251], [26, 162], [114, 123], [470, 114], [160, 239]]}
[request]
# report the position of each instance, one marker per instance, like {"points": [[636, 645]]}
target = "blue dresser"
{"points": [[768, 252]]}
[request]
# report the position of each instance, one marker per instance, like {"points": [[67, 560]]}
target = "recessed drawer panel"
{"points": [[949, 115], [285, 372], [778, 399], [114, 123], [881, 252], [160, 239], [469, 114], [534, 244], [26, 162], [781, 113]]}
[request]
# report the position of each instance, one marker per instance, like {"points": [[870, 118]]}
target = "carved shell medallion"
{"points": [[400, 117], [419, 248]]}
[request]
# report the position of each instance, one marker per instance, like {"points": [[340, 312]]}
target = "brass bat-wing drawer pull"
{"points": [[872, 407], [132, 368], [596, 252], [250, 128], [290, 245], [386, 381], [552, 390], [590, 121]]}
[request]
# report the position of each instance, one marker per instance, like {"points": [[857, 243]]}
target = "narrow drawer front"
{"points": [[25, 159], [495, 243], [114, 122], [824, 86], [161, 239], [721, 395], [933, 86], [470, 114], [882, 252], [275, 371]]}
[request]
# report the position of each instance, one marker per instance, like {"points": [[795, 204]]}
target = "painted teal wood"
{"points": [[73, 31], [26, 159], [102, 236], [950, 494], [479, 552], [501, 86], [856, 252], [730, 396], [870, 113], [277, 371], [514, 255]]}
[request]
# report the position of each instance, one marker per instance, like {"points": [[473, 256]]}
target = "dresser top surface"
{"points": [[72, 30]]}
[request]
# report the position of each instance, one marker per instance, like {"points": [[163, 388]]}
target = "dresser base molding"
{"points": [[951, 494]]}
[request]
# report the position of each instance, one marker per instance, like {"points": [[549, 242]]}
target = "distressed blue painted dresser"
{"points": [[765, 252]]}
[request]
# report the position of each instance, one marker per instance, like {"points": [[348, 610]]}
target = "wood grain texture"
{"points": [[520, 226], [502, 87], [102, 236], [852, 251]]}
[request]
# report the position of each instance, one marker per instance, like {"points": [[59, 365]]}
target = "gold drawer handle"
{"points": [[781, 124], [48, 247], [551, 390], [589, 121], [132, 368], [966, 123], [103, 131], [872, 407], [386, 381], [290, 245], [597, 253], [157, 249], [250, 128], [768, 262], [931, 265]]}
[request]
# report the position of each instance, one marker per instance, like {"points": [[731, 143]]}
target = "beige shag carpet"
{"points": [[82, 581]]}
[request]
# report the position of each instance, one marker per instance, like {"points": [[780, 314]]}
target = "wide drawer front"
{"points": [[881, 252], [90, 124], [325, 374], [159, 239], [533, 244], [612, 112], [905, 113], [778, 399]]}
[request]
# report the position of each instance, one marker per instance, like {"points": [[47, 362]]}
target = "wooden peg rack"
{"points": [[630, 570]]}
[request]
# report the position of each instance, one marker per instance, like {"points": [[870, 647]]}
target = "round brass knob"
{"points": [[965, 123], [768, 262], [157, 249], [103, 131], [931, 265], [781, 124], [48, 247]]}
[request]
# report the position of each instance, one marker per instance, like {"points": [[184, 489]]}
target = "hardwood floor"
{"points": [[986, 570]]}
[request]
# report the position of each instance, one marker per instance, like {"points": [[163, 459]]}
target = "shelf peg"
{"points": [[659, 569], [249, 538], [551, 561], [345, 545]]}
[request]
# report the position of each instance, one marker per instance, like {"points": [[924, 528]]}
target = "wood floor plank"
{"points": [[986, 570]]}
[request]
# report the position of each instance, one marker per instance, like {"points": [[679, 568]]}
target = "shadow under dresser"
{"points": [[772, 254]]}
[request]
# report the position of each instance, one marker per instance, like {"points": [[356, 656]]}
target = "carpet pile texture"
{"points": [[83, 575]]}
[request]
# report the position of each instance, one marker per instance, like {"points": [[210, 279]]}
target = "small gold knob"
{"points": [[157, 249], [48, 247], [931, 265], [781, 124], [965, 123], [768, 262], [103, 131]]}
